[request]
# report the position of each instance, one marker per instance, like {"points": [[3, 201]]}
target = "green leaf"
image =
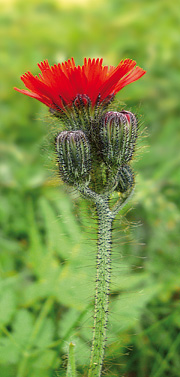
{"points": [[74, 289], [45, 360], [128, 306], [37, 291], [67, 321], [7, 306], [9, 352], [46, 334], [65, 211], [22, 327], [57, 239]]}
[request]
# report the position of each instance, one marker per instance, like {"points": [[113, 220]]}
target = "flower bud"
{"points": [[73, 156], [118, 136], [126, 179]]}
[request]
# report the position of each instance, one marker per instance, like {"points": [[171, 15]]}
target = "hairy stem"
{"points": [[71, 370], [103, 275], [105, 218]]}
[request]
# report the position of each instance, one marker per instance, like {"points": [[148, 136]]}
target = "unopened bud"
{"points": [[73, 157], [118, 135], [81, 100], [126, 179]]}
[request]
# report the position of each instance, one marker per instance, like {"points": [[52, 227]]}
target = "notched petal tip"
{"points": [[18, 90]]}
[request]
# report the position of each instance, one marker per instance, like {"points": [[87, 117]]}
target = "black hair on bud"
{"points": [[126, 179]]}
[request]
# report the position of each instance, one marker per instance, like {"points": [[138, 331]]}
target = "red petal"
{"points": [[116, 74], [134, 75], [44, 100], [61, 83]]}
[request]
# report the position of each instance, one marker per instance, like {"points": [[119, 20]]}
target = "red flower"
{"points": [[59, 85]]}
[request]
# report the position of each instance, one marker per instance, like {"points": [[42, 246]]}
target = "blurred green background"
{"points": [[47, 235]]}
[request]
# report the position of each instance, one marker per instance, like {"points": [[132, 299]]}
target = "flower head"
{"points": [[58, 86]]}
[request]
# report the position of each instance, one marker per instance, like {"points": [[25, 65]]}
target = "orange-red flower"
{"points": [[58, 85]]}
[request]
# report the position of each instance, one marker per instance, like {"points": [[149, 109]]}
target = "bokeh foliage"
{"points": [[47, 236]]}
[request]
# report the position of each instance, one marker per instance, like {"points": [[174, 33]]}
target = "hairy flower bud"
{"points": [[73, 157], [118, 136], [126, 179]]}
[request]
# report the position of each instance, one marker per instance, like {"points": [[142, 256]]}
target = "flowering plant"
{"points": [[94, 152]]}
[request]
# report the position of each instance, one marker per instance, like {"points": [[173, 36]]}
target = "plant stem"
{"points": [[103, 275], [105, 219], [71, 371]]}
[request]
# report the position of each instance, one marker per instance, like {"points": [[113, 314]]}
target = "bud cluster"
{"points": [[86, 157]]}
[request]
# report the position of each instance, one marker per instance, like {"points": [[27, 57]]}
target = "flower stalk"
{"points": [[103, 273]]}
